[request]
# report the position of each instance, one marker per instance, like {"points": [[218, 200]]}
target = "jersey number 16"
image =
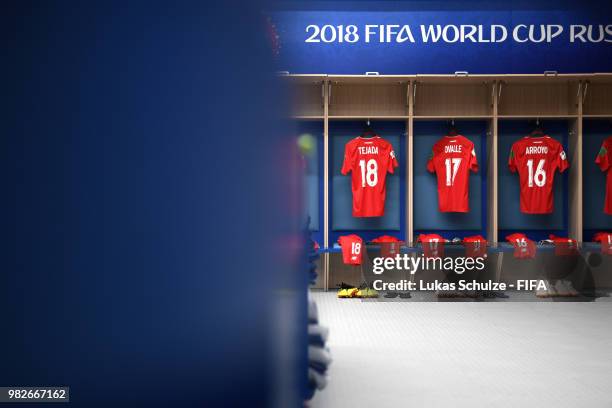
{"points": [[540, 174]]}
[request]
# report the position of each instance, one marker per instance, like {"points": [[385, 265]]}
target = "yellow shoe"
{"points": [[371, 293], [347, 293], [367, 293]]}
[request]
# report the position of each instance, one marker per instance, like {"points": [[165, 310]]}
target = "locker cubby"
{"points": [[597, 97], [427, 218], [511, 219], [455, 97], [384, 97], [595, 131], [538, 96], [341, 220], [307, 94]]}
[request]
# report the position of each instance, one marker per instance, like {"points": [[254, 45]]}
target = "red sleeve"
{"points": [[347, 165], [430, 163], [512, 238], [603, 159], [562, 162], [473, 163], [512, 160], [392, 160]]}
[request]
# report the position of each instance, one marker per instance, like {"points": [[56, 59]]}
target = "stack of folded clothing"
{"points": [[319, 357], [313, 255]]}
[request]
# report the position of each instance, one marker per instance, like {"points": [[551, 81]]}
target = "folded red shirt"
{"points": [[433, 245], [564, 246], [524, 248], [352, 249], [389, 245], [475, 246], [606, 242]]}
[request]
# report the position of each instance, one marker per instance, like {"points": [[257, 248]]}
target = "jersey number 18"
{"points": [[369, 172]]}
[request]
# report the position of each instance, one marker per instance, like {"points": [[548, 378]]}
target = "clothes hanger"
{"points": [[452, 130], [537, 131], [368, 131]]}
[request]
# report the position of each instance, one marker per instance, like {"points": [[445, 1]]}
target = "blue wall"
{"points": [[427, 217]]}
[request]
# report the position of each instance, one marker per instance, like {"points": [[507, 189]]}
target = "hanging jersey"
{"points": [[475, 246], [433, 245], [389, 246], [564, 246], [536, 159], [606, 242], [604, 161], [369, 160], [452, 158], [524, 248], [352, 249]]}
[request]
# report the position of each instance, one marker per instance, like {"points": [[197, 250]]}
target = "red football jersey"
{"points": [[369, 159], [452, 158], [352, 249], [606, 242], [389, 246], [433, 245], [564, 246], [537, 159], [604, 160], [475, 246], [523, 246]]}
